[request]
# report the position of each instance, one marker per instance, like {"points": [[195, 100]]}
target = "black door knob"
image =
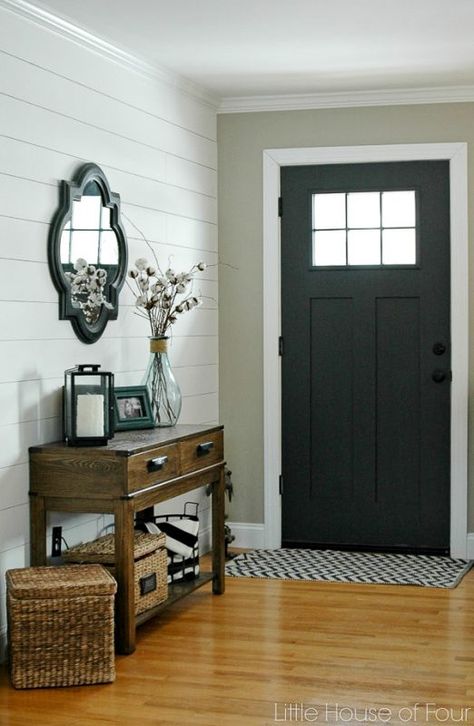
{"points": [[438, 376], [439, 348]]}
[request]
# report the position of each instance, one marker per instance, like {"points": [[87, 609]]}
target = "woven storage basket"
{"points": [[60, 626], [151, 585]]}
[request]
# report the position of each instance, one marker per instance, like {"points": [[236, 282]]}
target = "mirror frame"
{"points": [[73, 191]]}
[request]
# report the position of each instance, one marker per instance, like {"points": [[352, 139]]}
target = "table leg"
{"points": [[37, 531], [124, 573], [218, 540]]}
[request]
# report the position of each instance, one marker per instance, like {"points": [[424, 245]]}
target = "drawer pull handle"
{"points": [[157, 464], [205, 448]]}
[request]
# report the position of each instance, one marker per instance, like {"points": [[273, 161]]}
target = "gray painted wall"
{"points": [[241, 140]]}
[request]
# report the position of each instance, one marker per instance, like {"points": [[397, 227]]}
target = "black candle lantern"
{"points": [[88, 406]]}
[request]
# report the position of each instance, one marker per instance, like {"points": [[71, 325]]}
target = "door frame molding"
{"points": [[273, 159]]}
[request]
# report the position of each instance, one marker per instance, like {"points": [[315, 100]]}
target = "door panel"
{"points": [[365, 428], [331, 388], [397, 379]]}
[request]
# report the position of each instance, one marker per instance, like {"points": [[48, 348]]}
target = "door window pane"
{"points": [[64, 248], [398, 209], [105, 218], [329, 248], [363, 247], [363, 209], [86, 213], [85, 244], [108, 248], [399, 247], [329, 211], [364, 228]]}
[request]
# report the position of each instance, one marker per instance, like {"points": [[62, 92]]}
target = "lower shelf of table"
{"points": [[175, 592]]}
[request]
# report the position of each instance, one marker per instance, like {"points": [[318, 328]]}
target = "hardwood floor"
{"points": [[329, 652]]}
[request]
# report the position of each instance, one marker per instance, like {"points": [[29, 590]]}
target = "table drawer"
{"points": [[153, 466], [201, 451]]}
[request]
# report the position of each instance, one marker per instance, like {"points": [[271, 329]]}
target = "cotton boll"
{"points": [[141, 263]]}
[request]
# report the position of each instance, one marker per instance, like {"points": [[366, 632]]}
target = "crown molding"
{"points": [[107, 50], [347, 99], [235, 104]]}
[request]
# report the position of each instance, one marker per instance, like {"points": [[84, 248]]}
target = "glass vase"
{"points": [[164, 392]]}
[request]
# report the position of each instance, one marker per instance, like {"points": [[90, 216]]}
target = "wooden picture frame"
{"points": [[132, 408]]}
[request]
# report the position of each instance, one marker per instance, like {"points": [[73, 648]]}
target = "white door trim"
{"points": [[273, 159]]}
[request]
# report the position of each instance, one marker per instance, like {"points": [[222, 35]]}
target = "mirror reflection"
{"points": [[88, 252], [88, 233]]}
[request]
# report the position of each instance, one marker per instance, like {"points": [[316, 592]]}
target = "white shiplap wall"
{"points": [[62, 104]]}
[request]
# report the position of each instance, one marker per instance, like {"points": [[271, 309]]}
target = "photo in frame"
{"points": [[132, 408]]}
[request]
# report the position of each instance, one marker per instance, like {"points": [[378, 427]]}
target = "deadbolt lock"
{"points": [[439, 348]]}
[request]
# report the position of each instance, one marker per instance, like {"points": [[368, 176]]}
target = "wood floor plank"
{"points": [[237, 659]]}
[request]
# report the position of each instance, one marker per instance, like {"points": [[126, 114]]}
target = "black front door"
{"points": [[366, 359]]}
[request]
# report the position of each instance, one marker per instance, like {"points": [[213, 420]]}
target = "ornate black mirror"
{"points": [[87, 252]]}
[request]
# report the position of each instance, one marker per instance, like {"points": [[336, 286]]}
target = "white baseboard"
{"points": [[247, 535], [470, 546]]}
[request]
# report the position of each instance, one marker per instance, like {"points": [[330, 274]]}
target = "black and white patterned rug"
{"points": [[362, 567]]}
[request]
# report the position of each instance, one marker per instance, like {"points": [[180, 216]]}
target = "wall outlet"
{"points": [[56, 542]]}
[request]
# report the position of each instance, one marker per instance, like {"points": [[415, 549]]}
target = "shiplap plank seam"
{"points": [[101, 94], [106, 165], [88, 124], [124, 201], [176, 245]]}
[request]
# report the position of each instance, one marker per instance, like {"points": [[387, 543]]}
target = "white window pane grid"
{"points": [[86, 213], [363, 210], [363, 247], [105, 218], [329, 248], [364, 228], [398, 209], [89, 231], [329, 211], [85, 244], [108, 249], [64, 247], [399, 247]]}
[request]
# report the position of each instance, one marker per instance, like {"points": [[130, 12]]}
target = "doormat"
{"points": [[372, 568]]}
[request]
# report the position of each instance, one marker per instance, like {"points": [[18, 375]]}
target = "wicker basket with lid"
{"points": [[151, 583], [60, 626]]}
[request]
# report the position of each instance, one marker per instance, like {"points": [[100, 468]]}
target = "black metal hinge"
{"points": [[280, 484], [280, 345], [280, 207]]}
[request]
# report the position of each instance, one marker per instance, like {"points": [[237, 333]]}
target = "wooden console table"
{"points": [[137, 470]]}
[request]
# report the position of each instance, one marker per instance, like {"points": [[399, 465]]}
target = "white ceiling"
{"points": [[265, 47]]}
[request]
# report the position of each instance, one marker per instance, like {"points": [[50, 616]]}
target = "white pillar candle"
{"points": [[90, 414]]}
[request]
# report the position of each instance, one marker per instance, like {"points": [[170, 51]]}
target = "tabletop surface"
{"points": [[126, 443]]}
